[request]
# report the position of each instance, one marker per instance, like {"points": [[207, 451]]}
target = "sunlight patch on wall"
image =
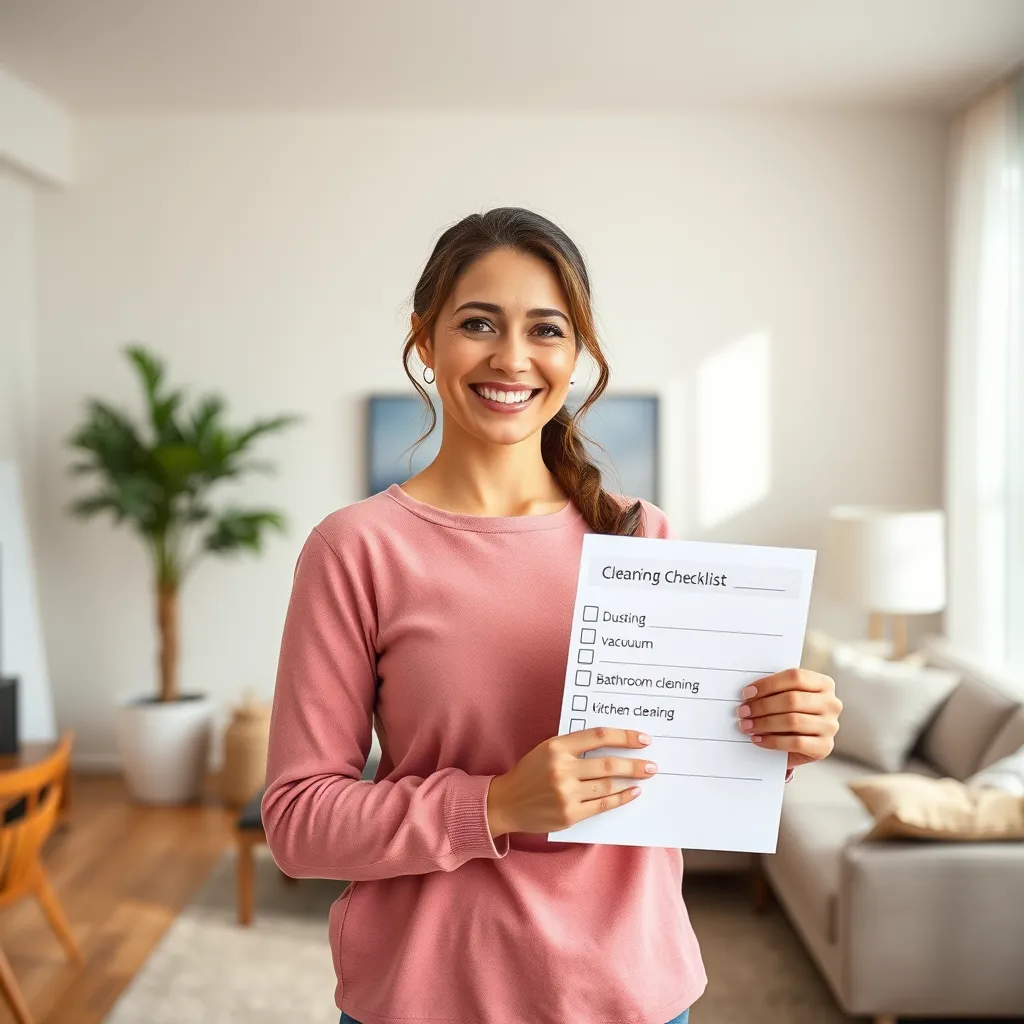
{"points": [[733, 417]]}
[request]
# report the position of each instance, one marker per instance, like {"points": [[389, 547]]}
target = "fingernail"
{"points": [[650, 767], [756, 739], [747, 726], [644, 738], [750, 691], [744, 711], [635, 791]]}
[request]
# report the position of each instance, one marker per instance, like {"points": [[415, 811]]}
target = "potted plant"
{"points": [[158, 480]]}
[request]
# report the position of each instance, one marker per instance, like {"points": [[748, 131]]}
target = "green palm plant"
{"points": [[159, 482]]}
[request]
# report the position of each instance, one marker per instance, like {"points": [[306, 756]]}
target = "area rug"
{"points": [[208, 970]]}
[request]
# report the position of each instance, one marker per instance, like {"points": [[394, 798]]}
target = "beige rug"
{"points": [[207, 970]]}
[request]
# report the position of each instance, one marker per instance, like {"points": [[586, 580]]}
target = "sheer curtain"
{"points": [[985, 433]]}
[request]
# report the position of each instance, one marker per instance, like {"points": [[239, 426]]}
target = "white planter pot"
{"points": [[165, 747]]}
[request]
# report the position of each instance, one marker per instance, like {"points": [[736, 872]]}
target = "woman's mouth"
{"points": [[505, 397]]}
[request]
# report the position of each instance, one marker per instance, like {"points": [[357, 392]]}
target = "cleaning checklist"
{"points": [[666, 635]]}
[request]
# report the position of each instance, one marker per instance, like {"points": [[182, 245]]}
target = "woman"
{"points": [[439, 611]]}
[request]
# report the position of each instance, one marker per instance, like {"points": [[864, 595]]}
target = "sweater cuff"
{"points": [[465, 818]]}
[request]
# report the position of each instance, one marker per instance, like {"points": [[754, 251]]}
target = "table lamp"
{"points": [[888, 560]]}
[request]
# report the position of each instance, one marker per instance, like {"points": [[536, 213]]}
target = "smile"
{"points": [[504, 399]]}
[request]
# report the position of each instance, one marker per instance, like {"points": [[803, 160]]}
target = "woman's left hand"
{"points": [[796, 711]]}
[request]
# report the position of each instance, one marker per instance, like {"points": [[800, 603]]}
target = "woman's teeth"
{"points": [[505, 397]]}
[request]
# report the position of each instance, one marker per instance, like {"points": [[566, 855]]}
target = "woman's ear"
{"points": [[423, 345]]}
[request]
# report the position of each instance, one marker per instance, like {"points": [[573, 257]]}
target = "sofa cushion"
{"points": [[819, 815], [1006, 774], [819, 645], [968, 722], [1008, 740], [886, 706]]}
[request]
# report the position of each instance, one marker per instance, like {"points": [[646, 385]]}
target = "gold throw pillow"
{"points": [[913, 806]]}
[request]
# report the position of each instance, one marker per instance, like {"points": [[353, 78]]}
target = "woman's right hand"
{"points": [[553, 787]]}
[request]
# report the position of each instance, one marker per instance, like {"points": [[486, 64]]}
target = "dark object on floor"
{"points": [[249, 833], [9, 743]]}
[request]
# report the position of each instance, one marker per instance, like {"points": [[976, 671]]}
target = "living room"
{"points": [[803, 228]]}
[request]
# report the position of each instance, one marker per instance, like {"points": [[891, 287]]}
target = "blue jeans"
{"points": [[683, 1018]]}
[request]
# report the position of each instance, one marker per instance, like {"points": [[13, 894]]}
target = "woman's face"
{"points": [[504, 348]]}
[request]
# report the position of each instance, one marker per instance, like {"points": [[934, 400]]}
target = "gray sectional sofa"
{"points": [[910, 928]]}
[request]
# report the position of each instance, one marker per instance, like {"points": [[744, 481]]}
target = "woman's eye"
{"points": [[550, 327], [472, 322]]}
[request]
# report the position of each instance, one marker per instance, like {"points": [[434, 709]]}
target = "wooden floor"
{"points": [[122, 871]]}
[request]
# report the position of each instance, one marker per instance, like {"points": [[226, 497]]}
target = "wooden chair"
{"points": [[29, 801]]}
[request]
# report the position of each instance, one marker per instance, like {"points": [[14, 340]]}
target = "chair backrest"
{"points": [[29, 799]]}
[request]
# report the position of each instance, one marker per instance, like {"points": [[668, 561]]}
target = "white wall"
{"points": [[272, 257], [17, 326]]}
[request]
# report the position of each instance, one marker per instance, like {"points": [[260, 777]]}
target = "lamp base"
{"points": [[897, 631]]}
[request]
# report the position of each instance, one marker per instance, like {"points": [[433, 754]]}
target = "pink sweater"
{"points": [[450, 634]]}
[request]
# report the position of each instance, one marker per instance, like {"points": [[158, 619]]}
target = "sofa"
{"points": [[910, 928]]}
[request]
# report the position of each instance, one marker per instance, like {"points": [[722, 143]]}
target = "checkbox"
{"points": [[585, 657], [582, 677], [577, 724], [579, 702], [590, 613], [588, 636]]}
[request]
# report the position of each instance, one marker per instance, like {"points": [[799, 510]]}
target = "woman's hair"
{"points": [[510, 227]]}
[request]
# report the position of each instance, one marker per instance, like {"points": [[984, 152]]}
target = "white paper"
{"points": [[665, 636]]}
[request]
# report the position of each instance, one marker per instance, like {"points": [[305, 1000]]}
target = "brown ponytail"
{"points": [[562, 441]]}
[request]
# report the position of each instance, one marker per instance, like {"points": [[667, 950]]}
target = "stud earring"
{"points": [[433, 376]]}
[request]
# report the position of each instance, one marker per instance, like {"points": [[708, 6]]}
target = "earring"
{"points": [[433, 376]]}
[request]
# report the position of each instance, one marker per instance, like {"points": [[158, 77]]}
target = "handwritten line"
{"points": [[699, 629], [662, 696], [695, 668], [773, 590], [695, 775], [699, 739]]}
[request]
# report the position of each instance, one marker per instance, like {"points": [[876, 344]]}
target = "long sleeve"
{"points": [[321, 819]]}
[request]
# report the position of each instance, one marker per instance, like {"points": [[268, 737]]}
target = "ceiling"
{"points": [[147, 55]]}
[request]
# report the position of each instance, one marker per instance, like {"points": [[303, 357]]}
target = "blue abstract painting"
{"points": [[625, 426]]}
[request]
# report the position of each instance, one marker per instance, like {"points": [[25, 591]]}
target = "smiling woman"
{"points": [[439, 611]]}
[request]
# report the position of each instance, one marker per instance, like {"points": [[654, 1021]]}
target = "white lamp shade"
{"points": [[889, 560]]}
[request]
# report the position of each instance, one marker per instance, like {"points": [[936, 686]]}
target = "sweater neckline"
{"points": [[484, 524]]}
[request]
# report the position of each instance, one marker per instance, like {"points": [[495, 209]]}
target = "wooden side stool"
{"points": [[249, 833]]}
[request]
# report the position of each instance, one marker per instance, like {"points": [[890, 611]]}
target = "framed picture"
{"points": [[625, 426]]}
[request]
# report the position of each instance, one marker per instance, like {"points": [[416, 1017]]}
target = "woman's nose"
{"points": [[512, 355]]}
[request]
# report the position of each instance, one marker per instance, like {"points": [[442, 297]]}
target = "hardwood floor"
{"points": [[122, 872]]}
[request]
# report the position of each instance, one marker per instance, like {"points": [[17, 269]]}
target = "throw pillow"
{"points": [[886, 706], [914, 806], [1006, 774]]}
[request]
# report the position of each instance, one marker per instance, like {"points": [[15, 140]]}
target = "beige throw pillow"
{"points": [[914, 806], [886, 706]]}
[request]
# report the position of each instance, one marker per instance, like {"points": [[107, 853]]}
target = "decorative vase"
{"points": [[165, 747], [245, 751]]}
